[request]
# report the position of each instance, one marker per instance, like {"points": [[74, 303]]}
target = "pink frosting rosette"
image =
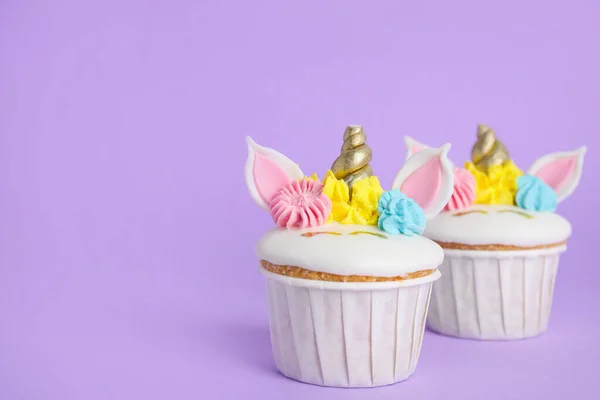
{"points": [[463, 195], [300, 204]]}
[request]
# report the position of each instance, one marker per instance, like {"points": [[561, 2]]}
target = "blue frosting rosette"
{"points": [[399, 214], [534, 194]]}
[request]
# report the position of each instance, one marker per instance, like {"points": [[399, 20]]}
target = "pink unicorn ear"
{"points": [[412, 146], [427, 178], [267, 171], [560, 171]]}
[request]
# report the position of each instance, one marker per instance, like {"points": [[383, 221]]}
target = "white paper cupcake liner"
{"points": [[494, 294], [347, 334]]}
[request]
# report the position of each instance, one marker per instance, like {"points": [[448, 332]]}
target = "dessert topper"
{"points": [[421, 188], [412, 146], [488, 150], [353, 162], [267, 171], [427, 177], [561, 171], [549, 181]]}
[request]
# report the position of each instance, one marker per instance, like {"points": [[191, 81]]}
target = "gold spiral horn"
{"points": [[488, 150], [353, 162]]}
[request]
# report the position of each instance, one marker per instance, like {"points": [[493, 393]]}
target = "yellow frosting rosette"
{"points": [[362, 209], [496, 186]]}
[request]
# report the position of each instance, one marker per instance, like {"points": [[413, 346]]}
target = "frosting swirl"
{"points": [[399, 214], [496, 186], [535, 195], [362, 209], [300, 204], [463, 195]]}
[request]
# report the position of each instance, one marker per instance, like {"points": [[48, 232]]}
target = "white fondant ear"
{"points": [[427, 178], [267, 171], [412, 146], [560, 171]]}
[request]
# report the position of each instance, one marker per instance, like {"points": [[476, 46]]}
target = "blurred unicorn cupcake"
{"points": [[502, 240]]}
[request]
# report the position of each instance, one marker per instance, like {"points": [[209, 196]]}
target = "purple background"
{"points": [[126, 230]]}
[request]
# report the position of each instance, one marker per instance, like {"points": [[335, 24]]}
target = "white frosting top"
{"points": [[497, 224], [349, 253]]}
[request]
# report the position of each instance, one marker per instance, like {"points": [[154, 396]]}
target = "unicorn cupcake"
{"points": [[349, 274], [502, 240]]}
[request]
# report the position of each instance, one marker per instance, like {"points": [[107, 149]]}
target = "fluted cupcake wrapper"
{"points": [[494, 296], [347, 334]]}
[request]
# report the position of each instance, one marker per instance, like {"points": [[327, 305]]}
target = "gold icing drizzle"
{"points": [[311, 234], [353, 162], [380, 235], [521, 213], [488, 150], [461, 213]]}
